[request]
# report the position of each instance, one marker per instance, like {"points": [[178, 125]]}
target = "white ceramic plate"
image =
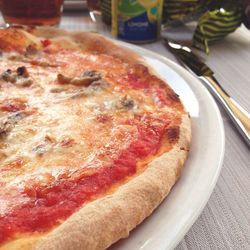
{"points": [[165, 228]]}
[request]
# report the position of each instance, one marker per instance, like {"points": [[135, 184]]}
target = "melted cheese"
{"points": [[65, 130]]}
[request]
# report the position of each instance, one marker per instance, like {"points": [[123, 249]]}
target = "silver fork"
{"points": [[239, 116]]}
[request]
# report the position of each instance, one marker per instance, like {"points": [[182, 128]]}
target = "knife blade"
{"points": [[239, 116]]}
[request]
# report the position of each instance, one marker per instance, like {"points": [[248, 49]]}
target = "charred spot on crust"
{"points": [[173, 96], [172, 134], [184, 149]]}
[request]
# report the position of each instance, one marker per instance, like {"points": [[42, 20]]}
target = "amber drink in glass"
{"points": [[31, 12]]}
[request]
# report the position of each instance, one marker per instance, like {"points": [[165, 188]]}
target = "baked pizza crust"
{"points": [[102, 222], [87, 41]]}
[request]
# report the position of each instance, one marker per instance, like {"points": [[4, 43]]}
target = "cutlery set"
{"points": [[187, 58]]}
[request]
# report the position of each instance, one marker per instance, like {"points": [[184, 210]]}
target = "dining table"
{"points": [[224, 222]]}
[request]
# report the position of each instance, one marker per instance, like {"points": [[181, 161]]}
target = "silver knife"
{"points": [[239, 116]]}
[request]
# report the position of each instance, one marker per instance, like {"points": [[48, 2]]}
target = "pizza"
{"points": [[91, 139]]}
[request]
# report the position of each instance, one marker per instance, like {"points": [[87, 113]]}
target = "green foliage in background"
{"points": [[215, 18]]}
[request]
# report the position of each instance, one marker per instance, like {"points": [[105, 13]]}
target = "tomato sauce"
{"points": [[46, 43], [12, 105], [59, 202], [136, 82]]}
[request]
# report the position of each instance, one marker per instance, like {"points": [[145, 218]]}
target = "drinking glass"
{"points": [[31, 12]]}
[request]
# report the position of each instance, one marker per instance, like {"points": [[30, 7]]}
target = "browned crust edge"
{"points": [[104, 221]]}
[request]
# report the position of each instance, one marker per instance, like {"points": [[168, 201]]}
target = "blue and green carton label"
{"points": [[136, 20]]}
